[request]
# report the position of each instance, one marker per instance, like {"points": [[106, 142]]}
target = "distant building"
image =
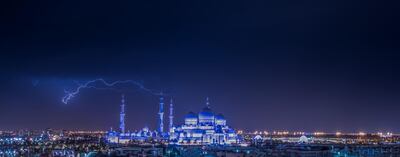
{"points": [[141, 135]]}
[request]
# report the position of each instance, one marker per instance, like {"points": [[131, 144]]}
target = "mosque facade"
{"points": [[204, 128]]}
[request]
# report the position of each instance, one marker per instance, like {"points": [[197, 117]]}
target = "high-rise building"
{"points": [[161, 114], [122, 115]]}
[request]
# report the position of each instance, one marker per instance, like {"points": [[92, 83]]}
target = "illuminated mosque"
{"points": [[204, 128]]}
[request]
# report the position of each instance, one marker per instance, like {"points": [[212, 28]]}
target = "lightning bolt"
{"points": [[109, 85]]}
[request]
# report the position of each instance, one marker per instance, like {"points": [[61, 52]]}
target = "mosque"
{"points": [[204, 128]]}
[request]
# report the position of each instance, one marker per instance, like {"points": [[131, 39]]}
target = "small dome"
{"points": [[191, 115], [219, 116], [303, 139], [258, 137]]}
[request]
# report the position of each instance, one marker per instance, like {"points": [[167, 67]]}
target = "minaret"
{"points": [[208, 102], [161, 114], [122, 115], [171, 115]]}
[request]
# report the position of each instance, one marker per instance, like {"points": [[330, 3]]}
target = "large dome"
{"points": [[206, 116], [206, 113]]}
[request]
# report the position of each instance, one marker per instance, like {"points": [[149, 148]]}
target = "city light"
{"points": [[319, 133]]}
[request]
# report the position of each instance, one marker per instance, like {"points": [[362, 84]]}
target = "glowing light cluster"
{"points": [[388, 134], [281, 133], [298, 133], [319, 133], [362, 134]]}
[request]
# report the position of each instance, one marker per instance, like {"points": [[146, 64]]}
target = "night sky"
{"points": [[265, 64]]}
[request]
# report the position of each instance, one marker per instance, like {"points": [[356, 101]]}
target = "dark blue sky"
{"points": [[295, 65]]}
